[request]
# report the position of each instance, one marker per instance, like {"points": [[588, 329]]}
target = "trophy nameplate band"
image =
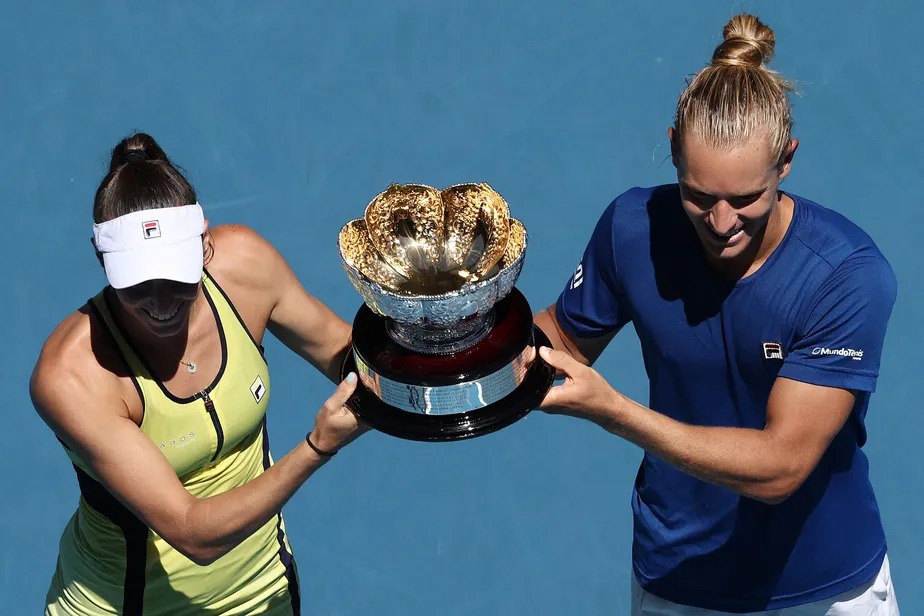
{"points": [[446, 399]]}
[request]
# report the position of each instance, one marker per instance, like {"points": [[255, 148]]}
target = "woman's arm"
{"points": [[268, 291], [85, 407]]}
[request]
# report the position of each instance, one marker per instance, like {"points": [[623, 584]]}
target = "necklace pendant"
{"points": [[191, 367]]}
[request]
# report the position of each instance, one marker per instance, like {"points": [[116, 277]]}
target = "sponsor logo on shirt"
{"points": [[578, 277], [773, 350], [854, 354], [180, 441]]}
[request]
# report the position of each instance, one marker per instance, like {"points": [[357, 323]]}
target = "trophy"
{"points": [[444, 344]]}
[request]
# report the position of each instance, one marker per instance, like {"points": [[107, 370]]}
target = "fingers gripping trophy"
{"points": [[444, 344]]}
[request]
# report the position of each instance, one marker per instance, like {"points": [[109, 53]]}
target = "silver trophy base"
{"points": [[427, 397]]}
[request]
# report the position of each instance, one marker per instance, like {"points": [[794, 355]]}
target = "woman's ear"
{"points": [[99, 255], [208, 244]]}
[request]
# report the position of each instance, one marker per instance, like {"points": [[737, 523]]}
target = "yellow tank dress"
{"points": [[109, 562]]}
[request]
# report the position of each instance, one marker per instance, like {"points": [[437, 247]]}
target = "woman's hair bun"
{"points": [[140, 147]]}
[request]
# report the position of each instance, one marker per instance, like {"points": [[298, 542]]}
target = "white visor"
{"points": [[160, 244]]}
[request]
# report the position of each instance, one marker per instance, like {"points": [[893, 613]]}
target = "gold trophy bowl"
{"points": [[444, 344]]}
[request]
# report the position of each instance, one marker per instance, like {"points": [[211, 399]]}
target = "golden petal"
{"points": [[471, 208], [405, 224], [516, 243], [357, 250]]}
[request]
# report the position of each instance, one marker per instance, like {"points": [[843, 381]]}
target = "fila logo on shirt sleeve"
{"points": [[258, 389], [578, 277]]}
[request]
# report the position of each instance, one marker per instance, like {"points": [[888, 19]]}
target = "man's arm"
{"points": [[767, 465], [584, 350]]}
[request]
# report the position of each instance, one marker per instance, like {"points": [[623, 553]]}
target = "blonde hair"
{"points": [[737, 97]]}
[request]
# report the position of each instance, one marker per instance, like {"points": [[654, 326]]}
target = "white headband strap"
{"points": [[149, 228]]}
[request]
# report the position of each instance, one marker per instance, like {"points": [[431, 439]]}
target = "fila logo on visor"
{"points": [[151, 229]]}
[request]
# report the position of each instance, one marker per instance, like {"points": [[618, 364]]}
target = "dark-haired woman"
{"points": [[158, 390], [761, 317]]}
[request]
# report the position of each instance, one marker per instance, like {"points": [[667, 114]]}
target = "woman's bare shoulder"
{"points": [[78, 361], [245, 264]]}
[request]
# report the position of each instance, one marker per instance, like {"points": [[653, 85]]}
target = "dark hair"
{"points": [[140, 177]]}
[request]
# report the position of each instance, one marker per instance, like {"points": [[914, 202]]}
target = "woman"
{"points": [[158, 390], [761, 317]]}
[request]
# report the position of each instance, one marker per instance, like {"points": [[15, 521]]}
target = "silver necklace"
{"points": [[191, 366]]}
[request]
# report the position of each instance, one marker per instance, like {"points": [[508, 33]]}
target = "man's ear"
{"points": [[675, 147], [788, 155]]}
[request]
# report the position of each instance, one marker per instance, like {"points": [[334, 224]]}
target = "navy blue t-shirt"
{"points": [[816, 311]]}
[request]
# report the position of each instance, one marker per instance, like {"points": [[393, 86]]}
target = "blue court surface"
{"points": [[290, 116]]}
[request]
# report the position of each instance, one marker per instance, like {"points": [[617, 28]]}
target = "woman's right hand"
{"points": [[336, 425]]}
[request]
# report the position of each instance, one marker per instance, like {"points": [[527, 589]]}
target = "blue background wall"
{"points": [[289, 116]]}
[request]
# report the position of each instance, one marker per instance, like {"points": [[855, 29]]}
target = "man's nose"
{"points": [[723, 217]]}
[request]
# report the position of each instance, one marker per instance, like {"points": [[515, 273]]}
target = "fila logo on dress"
{"points": [[258, 389]]}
